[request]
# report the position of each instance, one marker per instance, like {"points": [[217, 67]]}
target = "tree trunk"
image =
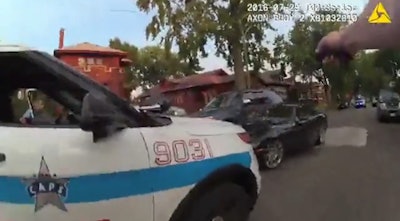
{"points": [[240, 76]]}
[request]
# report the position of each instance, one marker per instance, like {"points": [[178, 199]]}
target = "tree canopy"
{"points": [[191, 24], [152, 64]]}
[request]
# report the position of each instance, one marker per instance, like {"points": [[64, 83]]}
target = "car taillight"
{"points": [[244, 137]]}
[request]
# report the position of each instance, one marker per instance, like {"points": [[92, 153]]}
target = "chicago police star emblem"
{"points": [[47, 189]]}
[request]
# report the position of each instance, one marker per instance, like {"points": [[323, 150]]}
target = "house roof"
{"points": [[218, 76], [86, 47]]}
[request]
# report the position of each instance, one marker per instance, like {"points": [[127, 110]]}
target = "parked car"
{"points": [[389, 106], [116, 163], [283, 128], [343, 105], [360, 102], [229, 106]]}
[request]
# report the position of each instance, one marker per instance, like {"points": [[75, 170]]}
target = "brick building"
{"points": [[104, 65]]}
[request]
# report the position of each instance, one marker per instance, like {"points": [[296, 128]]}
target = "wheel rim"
{"points": [[322, 134], [273, 154]]}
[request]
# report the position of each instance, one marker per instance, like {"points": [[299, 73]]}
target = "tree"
{"points": [[372, 78], [278, 57], [192, 24], [152, 64], [388, 60], [300, 50]]}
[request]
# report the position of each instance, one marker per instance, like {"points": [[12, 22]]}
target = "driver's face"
{"points": [[38, 105]]}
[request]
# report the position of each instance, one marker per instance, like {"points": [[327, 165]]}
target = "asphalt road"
{"points": [[354, 177]]}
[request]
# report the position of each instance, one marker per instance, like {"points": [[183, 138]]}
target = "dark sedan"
{"points": [[274, 127], [285, 127]]}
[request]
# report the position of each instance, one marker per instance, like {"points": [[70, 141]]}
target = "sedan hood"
{"points": [[271, 132], [219, 114], [205, 126]]}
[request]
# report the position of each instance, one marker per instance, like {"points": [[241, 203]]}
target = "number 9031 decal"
{"points": [[181, 151]]}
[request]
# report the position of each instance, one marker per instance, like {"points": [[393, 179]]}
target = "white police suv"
{"points": [[116, 164]]}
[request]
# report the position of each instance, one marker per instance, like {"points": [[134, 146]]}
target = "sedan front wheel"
{"points": [[271, 156]]}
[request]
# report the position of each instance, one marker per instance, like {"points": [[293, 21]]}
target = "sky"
{"points": [[37, 23]]}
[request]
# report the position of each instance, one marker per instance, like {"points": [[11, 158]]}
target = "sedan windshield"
{"points": [[221, 101], [280, 114], [389, 95]]}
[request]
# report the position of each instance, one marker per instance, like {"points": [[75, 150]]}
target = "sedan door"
{"points": [[293, 132], [50, 173], [306, 126]]}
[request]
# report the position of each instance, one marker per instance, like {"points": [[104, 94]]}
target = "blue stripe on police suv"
{"points": [[97, 187]]}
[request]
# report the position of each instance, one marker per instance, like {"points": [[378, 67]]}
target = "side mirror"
{"points": [[99, 117]]}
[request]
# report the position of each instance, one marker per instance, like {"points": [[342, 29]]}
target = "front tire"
{"points": [[224, 202], [271, 156], [321, 136]]}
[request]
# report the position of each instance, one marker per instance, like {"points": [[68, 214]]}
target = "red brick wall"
{"points": [[104, 70]]}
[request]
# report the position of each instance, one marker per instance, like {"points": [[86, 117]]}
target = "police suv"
{"points": [[117, 163]]}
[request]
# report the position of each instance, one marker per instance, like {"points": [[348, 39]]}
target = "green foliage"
{"points": [[303, 40], [372, 76], [300, 53], [388, 60], [279, 52], [152, 64], [192, 24]]}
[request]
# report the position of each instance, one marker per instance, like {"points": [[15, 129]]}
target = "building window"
{"points": [[81, 62], [90, 61], [99, 61]]}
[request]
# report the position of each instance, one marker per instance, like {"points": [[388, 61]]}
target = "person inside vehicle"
{"points": [[36, 115], [343, 44]]}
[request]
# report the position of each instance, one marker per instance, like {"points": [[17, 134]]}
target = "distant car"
{"points": [[360, 102], [389, 106], [283, 128], [374, 102], [229, 106], [343, 105]]}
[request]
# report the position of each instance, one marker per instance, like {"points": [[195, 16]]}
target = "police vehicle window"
{"points": [[43, 85]]}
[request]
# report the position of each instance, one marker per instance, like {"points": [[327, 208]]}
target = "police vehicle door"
{"points": [[58, 173]]}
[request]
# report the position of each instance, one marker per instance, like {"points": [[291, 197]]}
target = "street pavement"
{"points": [[354, 177]]}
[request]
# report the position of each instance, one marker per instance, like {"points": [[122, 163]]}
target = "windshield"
{"points": [[268, 97], [359, 97], [280, 114], [221, 101], [386, 95]]}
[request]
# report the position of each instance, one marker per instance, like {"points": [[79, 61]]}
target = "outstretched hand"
{"points": [[332, 49]]}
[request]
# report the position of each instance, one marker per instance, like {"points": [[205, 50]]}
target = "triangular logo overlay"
{"points": [[379, 15]]}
